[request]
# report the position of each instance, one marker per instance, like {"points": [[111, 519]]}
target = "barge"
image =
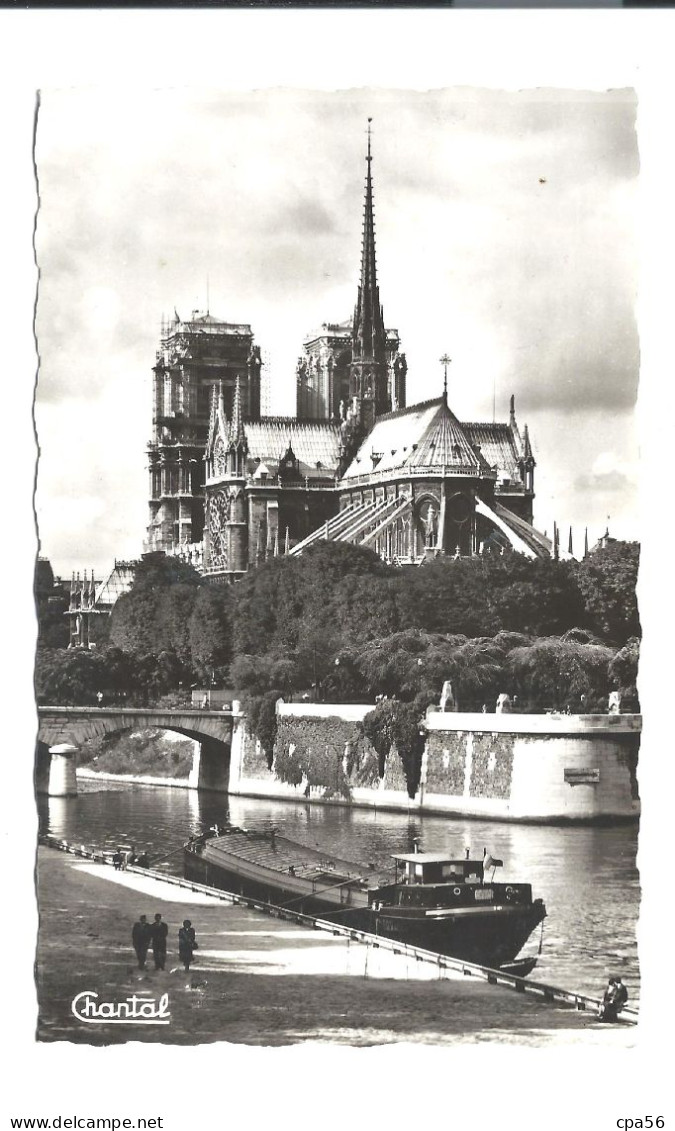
{"points": [[446, 905]]}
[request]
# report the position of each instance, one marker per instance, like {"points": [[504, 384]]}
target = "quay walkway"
{"points": [[270, 976]]}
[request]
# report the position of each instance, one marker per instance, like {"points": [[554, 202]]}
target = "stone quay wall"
{"points": [[507, 767]]}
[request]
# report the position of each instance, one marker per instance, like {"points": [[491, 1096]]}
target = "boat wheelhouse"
{"points": [[447, 905]]}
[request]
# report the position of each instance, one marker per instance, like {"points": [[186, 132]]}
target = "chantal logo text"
{"points": [[135, 1010]]}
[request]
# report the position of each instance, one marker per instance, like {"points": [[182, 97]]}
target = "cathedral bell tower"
{"points": [[368, 375]]}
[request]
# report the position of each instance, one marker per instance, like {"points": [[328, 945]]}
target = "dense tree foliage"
{"points": [[154, 615], [51, 605], [561, 673], [623, 672], [210, 634], [338, 624], [143, 752], [65, 678], [607, 579], [334, 593]]}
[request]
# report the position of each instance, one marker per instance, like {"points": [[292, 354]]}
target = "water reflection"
{"points": [[586, 875]]}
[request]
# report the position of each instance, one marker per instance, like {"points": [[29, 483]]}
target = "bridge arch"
{"points": [[72, 726]]}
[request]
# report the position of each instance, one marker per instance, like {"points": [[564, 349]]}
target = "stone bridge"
{"points": [[62, 730]]}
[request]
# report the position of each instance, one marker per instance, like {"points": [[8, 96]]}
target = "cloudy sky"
{"points": [[505, 236]]}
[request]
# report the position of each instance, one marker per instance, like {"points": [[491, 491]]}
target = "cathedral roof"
{"points": [[119, 581], [498, 445], [315, 444], [426, 435]]}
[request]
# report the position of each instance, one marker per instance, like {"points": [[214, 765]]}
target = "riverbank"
{"points": [[132, 779], [262, 981]]}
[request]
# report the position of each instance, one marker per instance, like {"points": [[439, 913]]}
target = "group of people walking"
{"points": [[145, 935]]}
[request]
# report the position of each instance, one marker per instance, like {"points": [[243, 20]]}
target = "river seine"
{"points": [[587, 876]]}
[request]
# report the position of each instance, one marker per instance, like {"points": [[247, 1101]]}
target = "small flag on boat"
{"points": [[491, 862]]}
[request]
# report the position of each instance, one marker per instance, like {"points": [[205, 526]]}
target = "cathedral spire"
{"points": [[237, 424], [369, 324], [445, 361], [368, 378]]}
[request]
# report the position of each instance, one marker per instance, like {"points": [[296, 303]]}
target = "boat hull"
{"points": [[487, 936]]}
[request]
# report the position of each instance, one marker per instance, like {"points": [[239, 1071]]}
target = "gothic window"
{"points": [[459, 508], [217, 520], [219, 457]]}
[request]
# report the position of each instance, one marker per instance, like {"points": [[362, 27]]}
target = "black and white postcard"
{"points": [[350, 519]]}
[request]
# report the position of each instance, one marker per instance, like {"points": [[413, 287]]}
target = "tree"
{"points": [[154, 615], [261, 674], [447, 596], [407, 664], [413, 665], [210, 633], [343, 682], [333, 588], [479, 674], [485, 595], [607, 579], [623, 672], [557, 673], [117, 673], [66, 677], [51, 606], [141, 752], [538, 598]]}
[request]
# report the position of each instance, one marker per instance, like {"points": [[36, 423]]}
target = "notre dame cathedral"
{"points": [[230, 487]]}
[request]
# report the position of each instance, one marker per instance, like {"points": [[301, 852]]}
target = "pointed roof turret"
{"points": [[237, 434], [236, 408], [527, 447], [215, 405]]}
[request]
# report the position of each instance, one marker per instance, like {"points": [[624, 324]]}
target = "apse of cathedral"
{"points": [[356, 464]]}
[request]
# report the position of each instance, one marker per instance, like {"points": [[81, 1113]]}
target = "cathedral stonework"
{"points": [[355, 464], [195, 356]]}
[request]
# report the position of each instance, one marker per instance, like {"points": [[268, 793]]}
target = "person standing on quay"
{"points": [[159, 931], [140, 936], [187, 943]]}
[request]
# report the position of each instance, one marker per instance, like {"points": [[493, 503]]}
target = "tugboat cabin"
{"points": [[428, 879], [432, 868]]}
